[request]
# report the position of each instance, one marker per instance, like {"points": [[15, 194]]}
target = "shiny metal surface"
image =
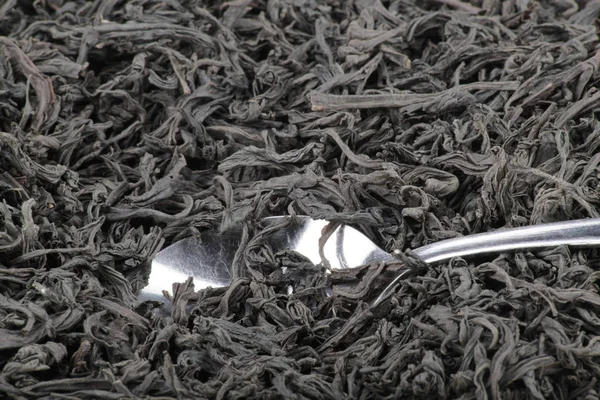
{"points": [[577, 233], [584, 232], [208, 257]]}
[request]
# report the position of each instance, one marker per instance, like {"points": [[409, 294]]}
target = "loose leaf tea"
{"points": [[128, 125]]}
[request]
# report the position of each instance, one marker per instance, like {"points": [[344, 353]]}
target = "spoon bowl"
{"points": [[208, 257]]}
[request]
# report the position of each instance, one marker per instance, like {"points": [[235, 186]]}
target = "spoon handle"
{"points": [[580, 233]]}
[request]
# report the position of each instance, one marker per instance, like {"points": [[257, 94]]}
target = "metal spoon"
{"points": [[208, 257]]}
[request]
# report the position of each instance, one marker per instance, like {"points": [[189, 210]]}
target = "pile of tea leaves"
{"points": [[126, 126]]}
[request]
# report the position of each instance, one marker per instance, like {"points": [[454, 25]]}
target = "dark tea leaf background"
{"points": [[128, 125]]}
